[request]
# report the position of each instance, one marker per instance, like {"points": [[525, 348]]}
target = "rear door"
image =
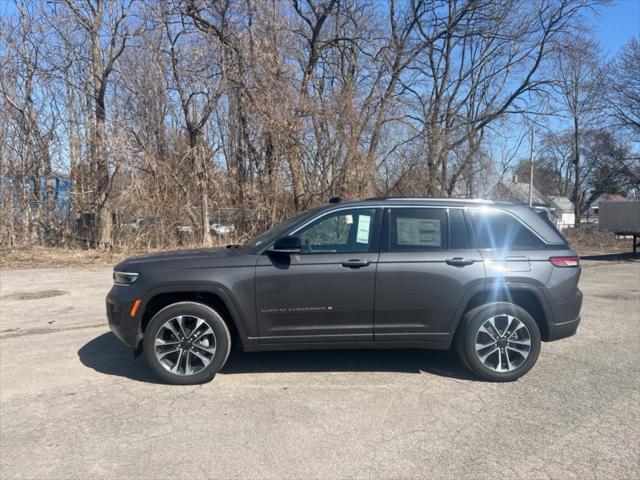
{"points": [[325, 293], [426, 265]]}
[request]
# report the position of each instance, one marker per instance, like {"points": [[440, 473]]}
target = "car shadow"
{"points": [[106, 354], [437, 362], [612, 257]]}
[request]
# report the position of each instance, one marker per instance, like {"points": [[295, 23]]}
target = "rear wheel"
{"points": [[186, 343], [499, 341]]}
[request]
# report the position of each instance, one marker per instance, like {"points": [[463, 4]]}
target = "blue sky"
{"points": [[616, 24]]}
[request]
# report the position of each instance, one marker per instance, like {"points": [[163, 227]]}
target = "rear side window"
{"points": [[499, 230], [545, 216], [417, 229], [458, 234]]}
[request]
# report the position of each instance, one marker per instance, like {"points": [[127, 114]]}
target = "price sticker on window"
{"points": [[364, 226]]}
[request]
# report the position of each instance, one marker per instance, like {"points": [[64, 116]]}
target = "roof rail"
{"points": [[444, 199]]}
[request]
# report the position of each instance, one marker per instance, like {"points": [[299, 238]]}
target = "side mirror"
{"points": [[287, 245]]}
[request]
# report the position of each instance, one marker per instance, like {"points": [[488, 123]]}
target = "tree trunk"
{"points": [[204, 199], [103, 223]]}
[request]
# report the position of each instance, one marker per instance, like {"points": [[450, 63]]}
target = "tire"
{"points": [[186, 343], [499, 341]]}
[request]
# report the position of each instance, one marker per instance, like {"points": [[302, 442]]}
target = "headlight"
{"points": [[124, 278]]}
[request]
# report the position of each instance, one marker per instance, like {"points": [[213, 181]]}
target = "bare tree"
{"points": [[24, 89], [623, 86], [106, 27], [164, 114], [198, 90], [578, 82]]}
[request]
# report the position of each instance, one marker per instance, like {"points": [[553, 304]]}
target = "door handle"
{"points": [[355, 263], [459, 261]]}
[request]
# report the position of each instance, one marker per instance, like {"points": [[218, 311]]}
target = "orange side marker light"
{"points": [[135, 306]]}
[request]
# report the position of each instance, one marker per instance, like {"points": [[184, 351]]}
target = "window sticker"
{"points": [[364, 225], [348, 219], [419, 231]]}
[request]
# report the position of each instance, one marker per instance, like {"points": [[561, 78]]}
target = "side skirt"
{"points": [[346, 345]]}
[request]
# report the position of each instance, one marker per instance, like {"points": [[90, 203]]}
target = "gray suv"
{"points": [[491, 279]]}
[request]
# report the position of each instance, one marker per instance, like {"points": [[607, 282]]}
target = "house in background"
{"points": [[519, 192], [558, 209], [562, 212]]}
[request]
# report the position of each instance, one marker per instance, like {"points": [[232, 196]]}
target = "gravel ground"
{"points": [[74, 403]]}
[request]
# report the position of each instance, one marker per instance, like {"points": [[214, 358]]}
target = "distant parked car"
{"points": [[138, 223], [221, 228], [493, 279]]}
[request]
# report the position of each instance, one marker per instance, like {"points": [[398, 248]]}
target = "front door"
{"points": [[426, 265], [326, 292]]}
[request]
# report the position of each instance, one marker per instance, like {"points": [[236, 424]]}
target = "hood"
{"points": [[178, 256]]}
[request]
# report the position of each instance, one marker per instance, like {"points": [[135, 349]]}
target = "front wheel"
{"points": [[186, 343], [499, 341]]}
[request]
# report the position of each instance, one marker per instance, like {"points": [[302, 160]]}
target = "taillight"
{"points": [[565, 262]]}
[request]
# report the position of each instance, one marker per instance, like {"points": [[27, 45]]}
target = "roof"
{"points": [[610, 197], [562, 203], [519, 192]]}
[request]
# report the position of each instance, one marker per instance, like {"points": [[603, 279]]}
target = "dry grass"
{"points": [[589, 239], [59, 257]]}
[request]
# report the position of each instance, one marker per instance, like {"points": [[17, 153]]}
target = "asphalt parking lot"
{"points": [[74, 403]]}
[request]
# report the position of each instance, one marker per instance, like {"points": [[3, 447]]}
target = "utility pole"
{"points": [[531, 159]]}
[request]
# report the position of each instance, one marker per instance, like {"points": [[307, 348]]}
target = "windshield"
{"points": [[278, 230]]}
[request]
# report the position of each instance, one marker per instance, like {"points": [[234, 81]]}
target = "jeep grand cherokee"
{"points": [[492, 279]]}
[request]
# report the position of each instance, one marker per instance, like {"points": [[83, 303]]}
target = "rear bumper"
{"points": [[119, 302], [562, 330], [565, 314]]}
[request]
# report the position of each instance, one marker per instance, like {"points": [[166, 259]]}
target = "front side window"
{"points": [[417, 229], [278, 230], [499, 230], [345, 231]]}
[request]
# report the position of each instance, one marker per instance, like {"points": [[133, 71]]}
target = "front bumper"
{"points": [[119, 302]]}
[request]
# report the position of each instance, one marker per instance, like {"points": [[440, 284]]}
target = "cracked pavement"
{"points": [[75, 404]]}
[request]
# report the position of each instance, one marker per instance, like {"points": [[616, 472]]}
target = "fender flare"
{"points": [[213, 288], [536, 290]]}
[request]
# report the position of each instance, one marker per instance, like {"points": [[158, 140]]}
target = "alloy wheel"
{"points": [[503, 343], [185, 345]]}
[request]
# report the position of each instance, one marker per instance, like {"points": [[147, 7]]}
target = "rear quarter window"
{"points": [[499, 230], [545, 216]]}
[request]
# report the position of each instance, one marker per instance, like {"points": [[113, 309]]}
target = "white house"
{"points": [[562, 211], [559, 209]]}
